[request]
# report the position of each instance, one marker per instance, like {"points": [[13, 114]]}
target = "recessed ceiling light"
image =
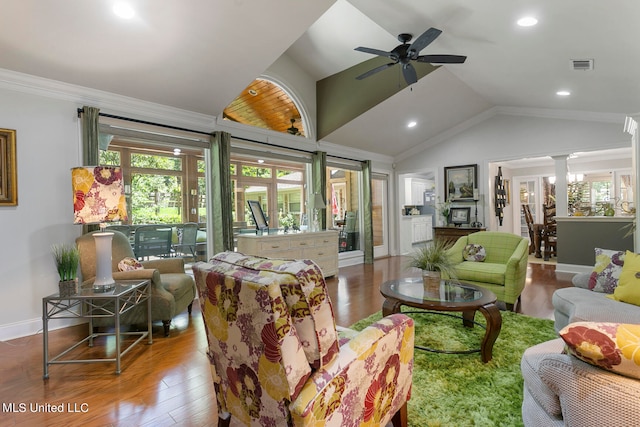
{"points": [[123, 10], [527, 21], [411, 124], [253, 92], [563, 93]]}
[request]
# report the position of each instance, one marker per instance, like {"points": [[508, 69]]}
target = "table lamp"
{"points": [[98, 198], [318, 203]]}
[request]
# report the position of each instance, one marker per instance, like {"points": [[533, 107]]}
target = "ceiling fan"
{"points": [[406, 53]]}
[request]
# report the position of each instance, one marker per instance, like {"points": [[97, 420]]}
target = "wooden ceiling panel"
{"points": [[265, 105]]}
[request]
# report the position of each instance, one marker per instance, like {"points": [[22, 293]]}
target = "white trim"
{"points": [[350, 258], [573, 268], [107, 102], [25, 328]]}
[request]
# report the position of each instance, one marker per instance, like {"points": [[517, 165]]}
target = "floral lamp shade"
{"points": [[98, 195]]}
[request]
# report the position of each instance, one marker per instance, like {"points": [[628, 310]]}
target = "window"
{"points": [[162, 186], [277, 184]]}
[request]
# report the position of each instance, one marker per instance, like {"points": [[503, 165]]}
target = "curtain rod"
{"points": [[144, 122]]}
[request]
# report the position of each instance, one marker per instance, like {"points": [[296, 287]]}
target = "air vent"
{"points": [[582, 64]]}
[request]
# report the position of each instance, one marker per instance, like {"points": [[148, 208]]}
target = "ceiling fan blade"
{"points": [[377, 52], [375, 70], [410, 75], [423, 41], [442, 59]]}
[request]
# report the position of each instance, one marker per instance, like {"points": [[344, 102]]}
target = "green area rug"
{"points": [[460, 390]]}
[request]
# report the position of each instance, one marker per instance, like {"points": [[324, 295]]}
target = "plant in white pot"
{"points": [[433, 260], [67, 259]]}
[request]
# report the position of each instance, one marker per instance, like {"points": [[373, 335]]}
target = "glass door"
{"points": [[379, 188]]}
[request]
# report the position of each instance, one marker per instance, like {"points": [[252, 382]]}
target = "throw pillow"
{"points": [[611, 346], [128, 264], [606, 272], [474, 252], [628, 289]]}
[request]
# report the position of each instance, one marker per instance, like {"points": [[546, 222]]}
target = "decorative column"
{"points": [[562, 200]]}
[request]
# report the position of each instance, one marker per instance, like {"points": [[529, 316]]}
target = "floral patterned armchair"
{"points": [[276, 358]]}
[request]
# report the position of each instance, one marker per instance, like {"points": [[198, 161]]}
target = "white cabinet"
{"points": [[321, 247], [406, 233], [414, 230], [417, 192], [421, 230]]}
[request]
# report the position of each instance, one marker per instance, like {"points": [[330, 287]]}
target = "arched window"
{"points": [[266, 105]]}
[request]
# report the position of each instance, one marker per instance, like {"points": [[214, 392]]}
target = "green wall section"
{"points": [[341, 98]]}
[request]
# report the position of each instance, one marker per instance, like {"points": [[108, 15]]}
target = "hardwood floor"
{"points": [[169, 382]]}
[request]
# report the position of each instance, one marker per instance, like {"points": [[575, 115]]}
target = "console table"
{"points": [[88, 304], [319, 246], [452, 234]]}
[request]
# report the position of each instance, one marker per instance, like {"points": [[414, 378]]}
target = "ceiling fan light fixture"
{"points": [[527, 21]]}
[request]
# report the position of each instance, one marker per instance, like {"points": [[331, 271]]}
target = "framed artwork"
{"points": [[8, 168], [258, 215], [460, 216], [460, 181]]}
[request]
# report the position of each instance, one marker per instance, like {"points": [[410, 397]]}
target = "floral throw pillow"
{"points": [[606, 271], [474, 252], [611, 346], [128, 264]]}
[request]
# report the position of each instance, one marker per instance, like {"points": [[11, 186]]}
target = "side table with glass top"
{"points": [[87, 304], [449, 296]]}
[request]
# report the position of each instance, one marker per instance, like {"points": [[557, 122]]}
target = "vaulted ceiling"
{"points": [[200, 55]]}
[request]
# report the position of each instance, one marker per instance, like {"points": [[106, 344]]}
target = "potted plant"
{"points": [[67, 259], [433, 260]]}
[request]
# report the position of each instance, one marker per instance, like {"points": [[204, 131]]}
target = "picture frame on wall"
{"points": [[258, 215], [460, 216], [8, 168], [460, 181]]}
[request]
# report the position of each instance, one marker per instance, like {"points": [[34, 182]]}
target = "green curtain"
{"points": [[221, 224], [319, 183], [90, 139], [367, 212], [90, 146]]}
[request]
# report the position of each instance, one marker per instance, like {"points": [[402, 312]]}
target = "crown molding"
{"points": [[106, 101], [547, 113]]}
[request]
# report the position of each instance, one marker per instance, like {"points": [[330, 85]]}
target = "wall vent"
{"points": [[582, 64]]}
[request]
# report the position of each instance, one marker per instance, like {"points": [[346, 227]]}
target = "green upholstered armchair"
{"points": [[172, 289], [504, 269]]}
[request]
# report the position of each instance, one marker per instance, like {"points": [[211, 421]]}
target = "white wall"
{"points": [[505, 136], [47, 142]]}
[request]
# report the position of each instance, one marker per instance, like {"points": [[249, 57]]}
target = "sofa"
{"points": [[563, 383], [172, 290], [277, 358], [498, 263]]}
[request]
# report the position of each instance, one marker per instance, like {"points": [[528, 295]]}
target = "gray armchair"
{"points": [[172, 289]]}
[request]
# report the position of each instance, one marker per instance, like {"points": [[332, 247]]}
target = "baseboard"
{"points": [[350, 258], [33, 327], [573, 268]]}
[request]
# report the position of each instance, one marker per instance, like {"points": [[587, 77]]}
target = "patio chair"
{"points": [[152, 240]]}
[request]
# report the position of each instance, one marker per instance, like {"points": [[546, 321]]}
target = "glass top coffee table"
{"points": [[450, 296]]}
